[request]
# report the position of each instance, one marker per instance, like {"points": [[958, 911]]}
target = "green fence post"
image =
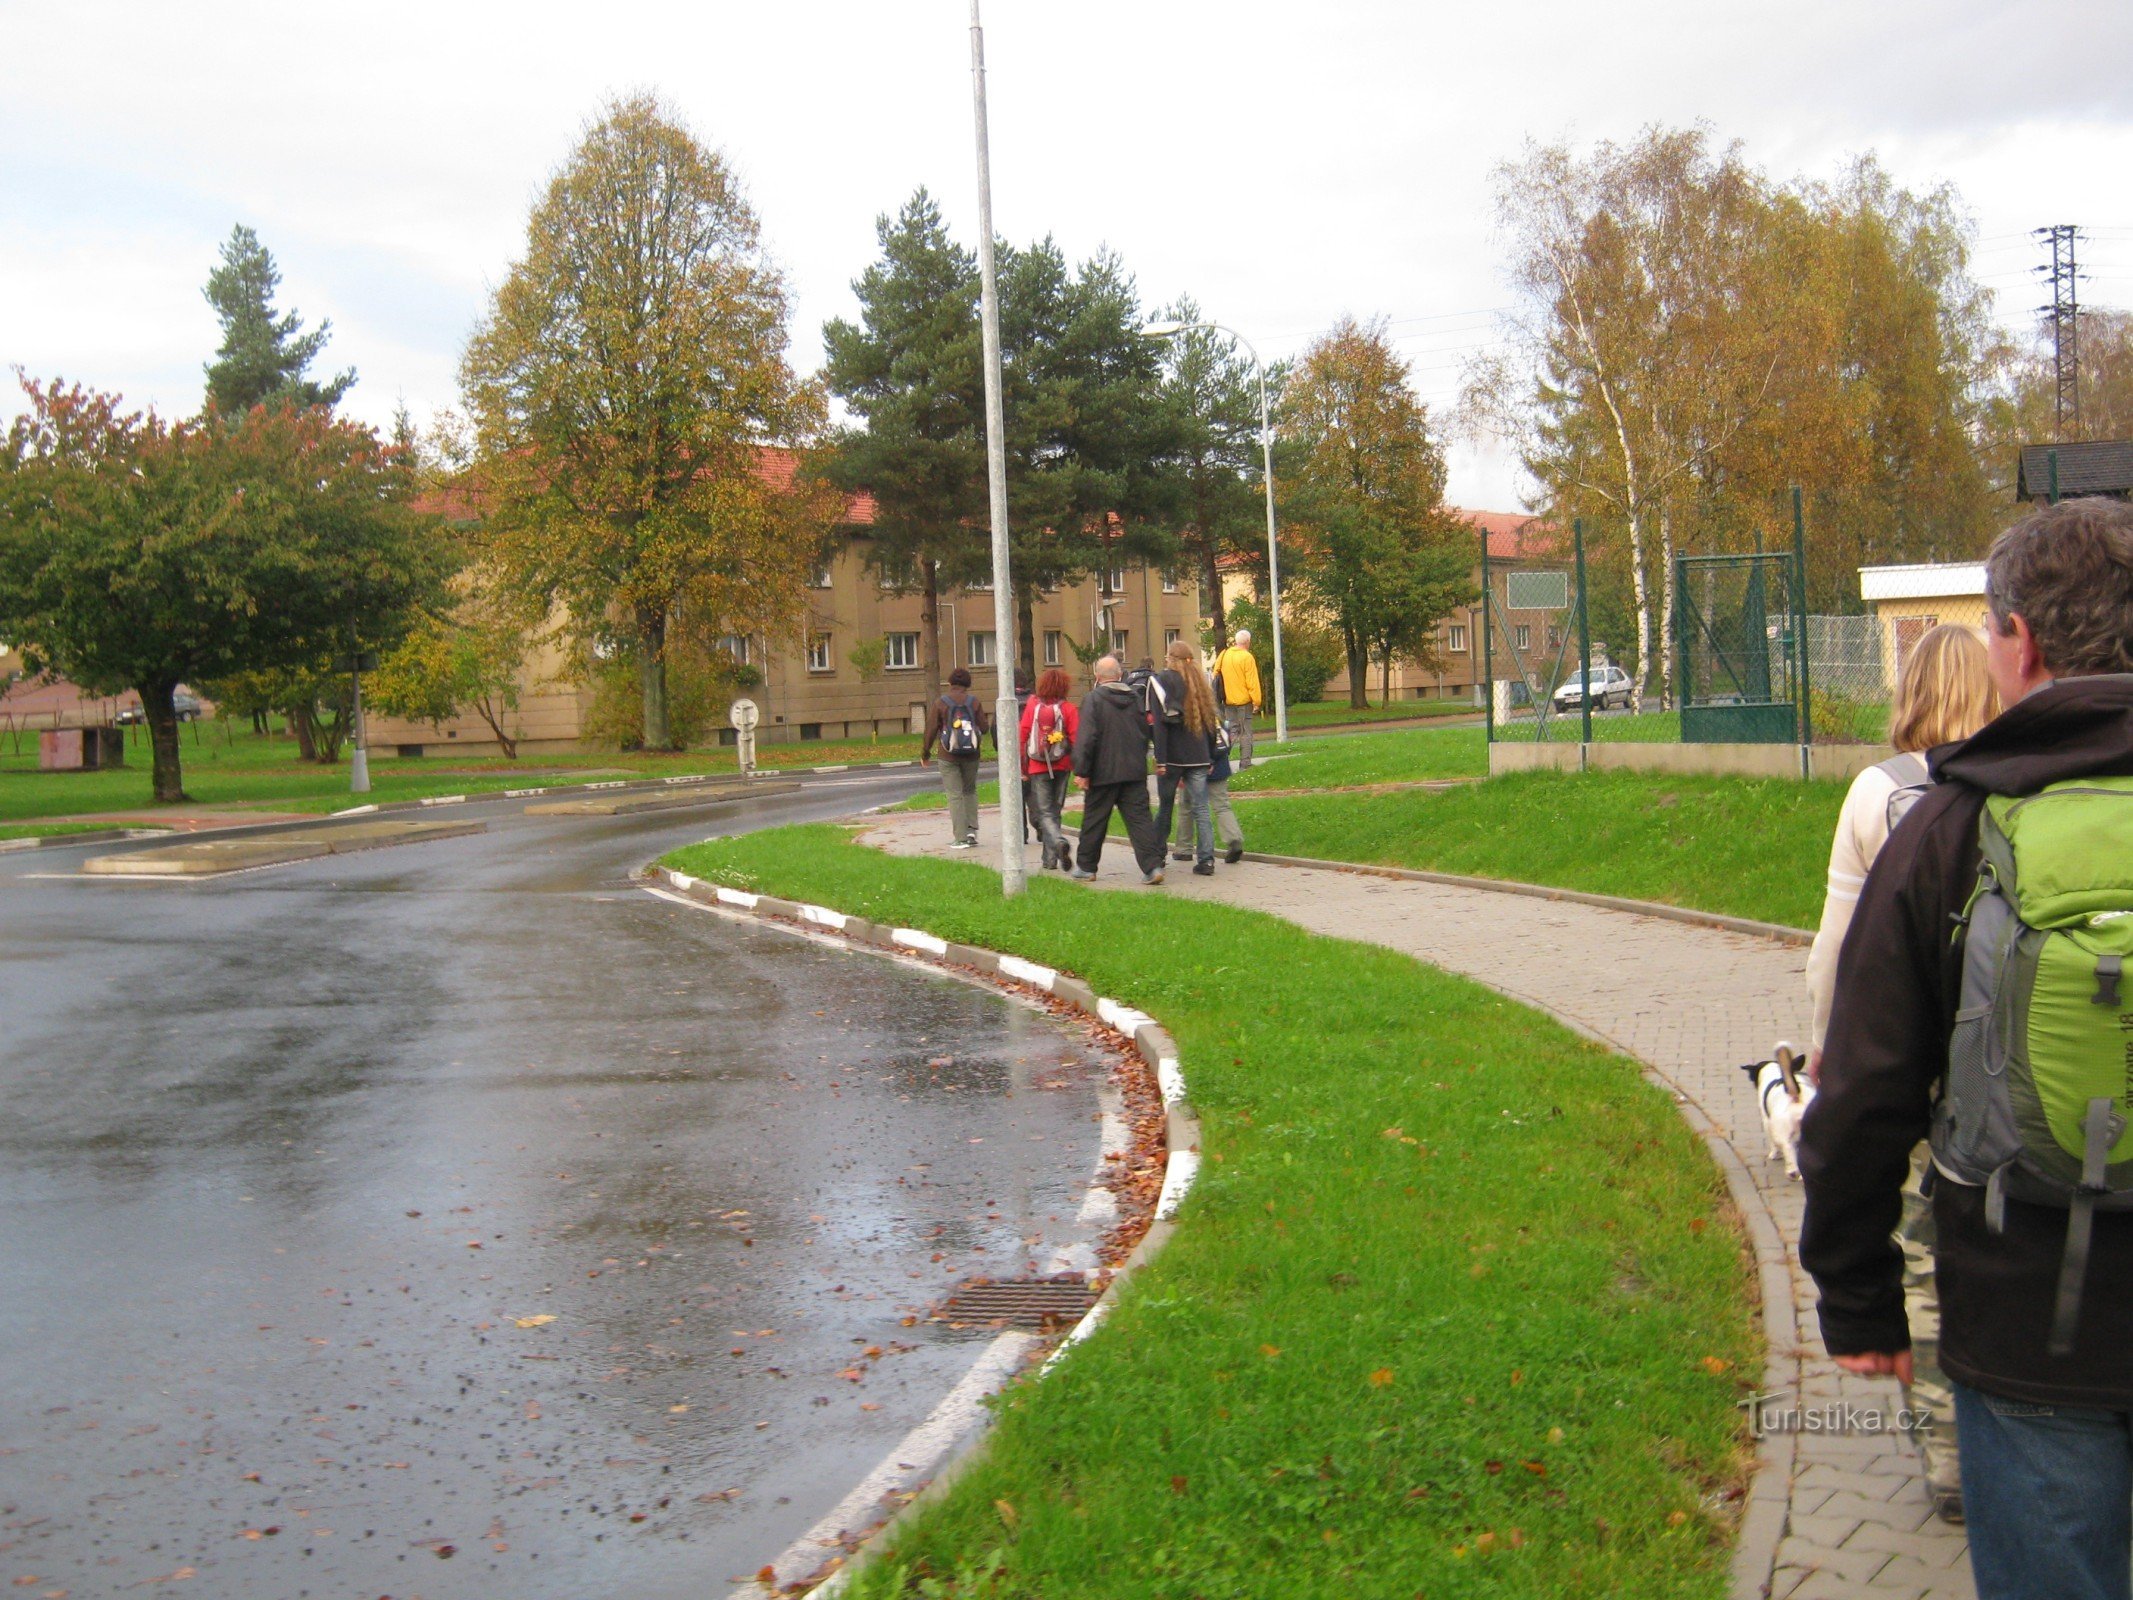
{"points": [[1799, 609], [1488, 647], [1577, 533]]}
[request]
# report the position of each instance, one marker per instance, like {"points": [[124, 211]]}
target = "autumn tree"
{"points": [[265, 354], [623, 385], [909, 371], [2103, 356], [1362, 491], [138, 553]]}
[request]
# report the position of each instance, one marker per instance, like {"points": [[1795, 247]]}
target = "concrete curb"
{"points": [[59, 841], [1151, 1042], [607, 786], [1540, 891], [195, 859]]}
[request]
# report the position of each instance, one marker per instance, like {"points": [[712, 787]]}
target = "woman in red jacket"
{"points": [[1049, 724]]}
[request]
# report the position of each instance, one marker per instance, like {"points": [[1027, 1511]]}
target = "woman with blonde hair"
{"points": [[1943, 694], [1186, 726]]}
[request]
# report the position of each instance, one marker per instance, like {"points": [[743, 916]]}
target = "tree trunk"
{"points": [[1358, 669], [929, 626], [303, 722], [158, 704], [1026, 631], [489, 712], [652, 675], [1211, 593], [1666, 607]]}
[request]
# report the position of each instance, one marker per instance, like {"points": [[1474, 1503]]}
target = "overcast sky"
{"points": [[1284, 164]]}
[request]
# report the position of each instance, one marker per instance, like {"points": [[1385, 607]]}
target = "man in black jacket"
{"points": [[1111, 766], [2047, 1440]]}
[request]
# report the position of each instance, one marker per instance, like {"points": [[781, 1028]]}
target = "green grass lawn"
{"points": [[1457, 1305], [248, 770], [1741, 846], [1328, 713], [1397, 755]]}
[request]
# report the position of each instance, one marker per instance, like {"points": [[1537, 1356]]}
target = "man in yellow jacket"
{"points": [[1237, 686]]}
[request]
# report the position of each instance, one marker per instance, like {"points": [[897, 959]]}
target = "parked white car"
{"points": [[1611, 686]]}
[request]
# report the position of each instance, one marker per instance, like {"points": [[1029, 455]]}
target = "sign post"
{"points": [[744, 716]]}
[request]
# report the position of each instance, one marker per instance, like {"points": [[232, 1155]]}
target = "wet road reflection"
{"points": [[477, 1225]]}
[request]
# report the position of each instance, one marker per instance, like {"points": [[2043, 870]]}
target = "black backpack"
{"points": [[959, 727]]}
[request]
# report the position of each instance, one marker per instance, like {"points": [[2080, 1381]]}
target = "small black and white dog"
{"points": [[1784, 1094]]}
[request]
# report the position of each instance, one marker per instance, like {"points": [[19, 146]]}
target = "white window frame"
{"points": [[1170, 583], [1054, 646], [1170, 637], [1456, 638], [1525, 636], [826, 574], [821, 648], [978, 586], [1115, 581], [890, 652], [1121, 644], [738, 646], [982, 642]]}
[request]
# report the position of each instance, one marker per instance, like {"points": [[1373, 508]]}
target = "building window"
{"points": [[736, 646], [1525, 637], [1054, 646], [1457, 640], [902, 654], [981, 647], [818, 654], [1170, 583], [1119, 644], [1115, 581], [1170, 637], [825, 575], [1555, 637], [978, 586]]}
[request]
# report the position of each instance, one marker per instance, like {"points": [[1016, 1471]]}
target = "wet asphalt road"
{"points": [[285, 1158]]}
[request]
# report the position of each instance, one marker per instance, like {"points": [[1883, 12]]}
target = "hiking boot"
{"points": [[1153, 878], [1203, 869], [1181, 855], [1079, 876], [964, 844], [1234, 854]]}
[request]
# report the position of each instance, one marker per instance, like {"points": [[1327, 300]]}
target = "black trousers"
{"points": [[1129, 800]]}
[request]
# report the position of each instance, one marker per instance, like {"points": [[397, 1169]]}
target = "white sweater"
{"points": [[1862, 829]]}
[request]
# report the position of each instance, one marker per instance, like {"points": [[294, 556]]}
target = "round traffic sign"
{"points": [[744, 715]]}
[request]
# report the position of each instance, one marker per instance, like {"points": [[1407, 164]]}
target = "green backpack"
{"points": [[2038, 1101]]}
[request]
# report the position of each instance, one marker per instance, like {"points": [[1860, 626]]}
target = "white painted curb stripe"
{"points": [[1178, 1173], [1172, 1080], [916, 940], [445, 800], [1124, 1018], [1080, 1331], [823, 917], [915, 1456], [1028, 972], [681, 881], [358, 811], [737, 897]]}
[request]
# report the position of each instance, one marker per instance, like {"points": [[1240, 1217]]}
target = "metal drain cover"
{"points": [[1046, 1305]]}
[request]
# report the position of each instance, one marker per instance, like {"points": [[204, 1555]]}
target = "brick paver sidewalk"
{"points": [[1692, 1003]]}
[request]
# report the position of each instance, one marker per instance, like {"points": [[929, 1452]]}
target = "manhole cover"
{"points": [[1048, 1305]]}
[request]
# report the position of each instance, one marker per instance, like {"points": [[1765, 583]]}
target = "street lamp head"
{"points": [[1164, 330]]}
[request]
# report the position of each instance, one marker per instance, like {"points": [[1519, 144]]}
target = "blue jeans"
{"points": [[1194, 780], [2047, 1498]]}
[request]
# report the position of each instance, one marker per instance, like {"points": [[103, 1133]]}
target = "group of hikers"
{"points": [[1194, 721]]}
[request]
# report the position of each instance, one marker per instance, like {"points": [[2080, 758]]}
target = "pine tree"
{"points": [[263, 357]]}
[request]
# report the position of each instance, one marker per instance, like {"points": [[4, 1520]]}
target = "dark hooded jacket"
{"points": [[1111, 745], [1897, 982]]}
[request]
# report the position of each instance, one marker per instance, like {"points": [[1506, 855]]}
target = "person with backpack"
{"points": [[1943, 694], [958, 725], [1981, 996], [1227, 827], [1237, 694], [1111, 767], [1185, 725], [1049, 722]]}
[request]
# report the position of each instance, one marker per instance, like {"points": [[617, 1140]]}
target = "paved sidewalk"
{"points": [[1692, 1003]]}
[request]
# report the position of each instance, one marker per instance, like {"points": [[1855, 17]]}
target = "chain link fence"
{"points": [[1854, 662]]}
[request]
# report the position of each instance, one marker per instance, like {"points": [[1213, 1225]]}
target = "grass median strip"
{"points": [[1458, 1299], [1745, 847]]}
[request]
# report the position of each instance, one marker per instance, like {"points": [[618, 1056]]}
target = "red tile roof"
{"points": [[1513, 535]]}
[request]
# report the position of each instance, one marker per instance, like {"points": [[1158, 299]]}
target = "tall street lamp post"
{"points": [[1170, 330], [1006, 723]]}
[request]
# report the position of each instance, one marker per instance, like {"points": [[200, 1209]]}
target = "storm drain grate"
{"points": [[1048, 1305]]}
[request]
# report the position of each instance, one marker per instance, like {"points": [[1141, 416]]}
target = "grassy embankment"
{"points": [[251, 771], [1457, 1302]]}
